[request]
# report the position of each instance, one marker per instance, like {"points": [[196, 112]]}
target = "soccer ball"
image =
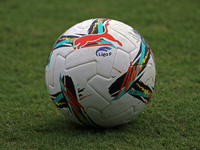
{"points": [[100, 73]]}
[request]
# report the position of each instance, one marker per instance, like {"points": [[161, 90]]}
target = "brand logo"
{"points": [[103, 51], [93, 38]]}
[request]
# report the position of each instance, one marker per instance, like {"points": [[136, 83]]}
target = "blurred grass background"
{"points": [[29, 120]]}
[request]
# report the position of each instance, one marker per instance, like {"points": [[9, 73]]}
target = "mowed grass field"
{"points": [[28, 118]]}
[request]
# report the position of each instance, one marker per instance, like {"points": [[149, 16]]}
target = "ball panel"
{"points": [[140, 107], [53, 74], [79, 57], [112, 121], [105, 60], [126, 35], [121, 64], [117, 107], [55, 65], [87, 96]]}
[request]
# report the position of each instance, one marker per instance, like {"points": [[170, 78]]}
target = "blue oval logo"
{"points": [[103, 51]]}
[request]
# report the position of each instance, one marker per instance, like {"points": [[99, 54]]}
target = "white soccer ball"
{"points": [[100, 73]]}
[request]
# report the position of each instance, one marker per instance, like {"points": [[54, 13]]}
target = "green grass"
{"points": [[29, 120]]}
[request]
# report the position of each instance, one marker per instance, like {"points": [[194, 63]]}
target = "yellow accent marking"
{"points": [[60, 103], [95, 26], [145, 91], [64, 38], [145, 58]]}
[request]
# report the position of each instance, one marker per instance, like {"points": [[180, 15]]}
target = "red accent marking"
{"points": [[117, 69], [73, 102], [72, 99], [124, 80], [134, 73], [97, 45], [85, 96], [129, 77]]}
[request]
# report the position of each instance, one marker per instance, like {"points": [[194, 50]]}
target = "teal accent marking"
{"points": [[142, 53], [100, 27], [106, 42], [122, 92], [61, 84], [138, 93], [61, 43], [143, 49], [58, 98]]}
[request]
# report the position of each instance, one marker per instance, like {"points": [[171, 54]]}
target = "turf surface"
{"points": [[29, 120]]}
